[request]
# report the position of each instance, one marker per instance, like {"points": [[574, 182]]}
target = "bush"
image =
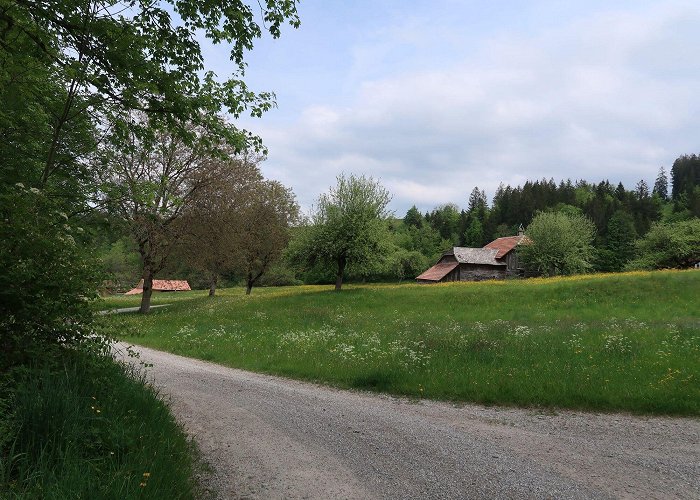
{"points": [[279, 275], [669, 245], [561, 243], [47, 280]]}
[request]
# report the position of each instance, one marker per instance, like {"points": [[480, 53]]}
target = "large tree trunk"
{"points": [[212, 284], [341, 271], [147, 291]]}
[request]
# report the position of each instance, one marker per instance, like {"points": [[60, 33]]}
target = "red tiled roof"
{"points": [[438, 271], [506, 244], [162, 286]]}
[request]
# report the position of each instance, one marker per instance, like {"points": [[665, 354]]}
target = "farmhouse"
{"points": [[497, 260], [162, 286]]}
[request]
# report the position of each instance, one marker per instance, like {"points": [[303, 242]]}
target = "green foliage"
{"points": [[424, 239], [280, 274], [561, 244], [348, 227], [120, 262], [615, 342], [685, 175], [116, 59], [474, 237], [413, 217], [619, 249], [669, 245], [406, 264], [87, 427], [445, 219], [661, 185], [47, 281]]}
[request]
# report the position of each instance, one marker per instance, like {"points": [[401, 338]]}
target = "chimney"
{"points": [[521, 230]]}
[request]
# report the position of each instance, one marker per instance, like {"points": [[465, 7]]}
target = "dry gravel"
{"points": [[269, 437]]}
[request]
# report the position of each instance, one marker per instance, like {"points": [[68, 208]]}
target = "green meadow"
{"points": [[615, 342]]}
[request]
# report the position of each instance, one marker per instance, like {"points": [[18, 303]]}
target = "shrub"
{"points": [[47, 280], [561, 243], [669, 245]]}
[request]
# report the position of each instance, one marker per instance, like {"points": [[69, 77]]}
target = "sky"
{"points": [[434, 98]]}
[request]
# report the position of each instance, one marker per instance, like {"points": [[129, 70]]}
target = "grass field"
{"points": [[603, 342]]}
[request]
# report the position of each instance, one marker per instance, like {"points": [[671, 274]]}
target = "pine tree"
{"points": [[685, 175], [661, 185], [620, 192], [619, 249], [413, 217], [477, 201], [642, 190], [474, 236]]}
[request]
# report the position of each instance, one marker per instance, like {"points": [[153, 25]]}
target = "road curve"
{"points": [[269, 437]]}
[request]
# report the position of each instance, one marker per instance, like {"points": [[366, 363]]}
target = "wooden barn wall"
{"points": [[479, 272], [512, 262]]}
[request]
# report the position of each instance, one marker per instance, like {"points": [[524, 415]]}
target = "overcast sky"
{"points": [[436, 97]]}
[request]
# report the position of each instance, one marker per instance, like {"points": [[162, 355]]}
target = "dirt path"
{"points": [[268, 437]]}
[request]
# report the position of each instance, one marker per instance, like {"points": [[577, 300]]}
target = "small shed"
{"points": [[465, 264], [162, 286], [497, 260]]}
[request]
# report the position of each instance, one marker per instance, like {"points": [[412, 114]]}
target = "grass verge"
{"points": [[613, 342], [86, 427]]}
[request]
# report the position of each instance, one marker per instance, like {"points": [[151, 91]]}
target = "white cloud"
{"points": [[610, 96]]}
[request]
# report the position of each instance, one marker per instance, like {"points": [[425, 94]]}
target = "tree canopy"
{"points": [[347, 227], [669, 245], [560, 243]]}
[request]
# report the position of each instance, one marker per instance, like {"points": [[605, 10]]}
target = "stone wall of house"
{"points": [[480, 272]]}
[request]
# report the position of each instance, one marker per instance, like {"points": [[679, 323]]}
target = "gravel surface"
{"points": [[269, 437]]}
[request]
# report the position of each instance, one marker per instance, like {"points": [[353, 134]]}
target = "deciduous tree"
{"points": [[560, 244], [669, 245], [211, 224], [348, 226], [266, 219], [148, 182]]}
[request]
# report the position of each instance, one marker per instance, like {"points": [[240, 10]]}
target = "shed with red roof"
{"points": [[496, 260], [162, 286]]}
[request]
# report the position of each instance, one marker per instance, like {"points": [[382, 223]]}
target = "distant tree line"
{"points": [[622, 226], [587, 227]]}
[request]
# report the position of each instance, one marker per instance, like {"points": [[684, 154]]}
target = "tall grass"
{"points": [[604, 342], [91, 428]]}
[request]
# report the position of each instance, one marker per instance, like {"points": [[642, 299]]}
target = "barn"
{"points": [[162, 286], [497, 260]]}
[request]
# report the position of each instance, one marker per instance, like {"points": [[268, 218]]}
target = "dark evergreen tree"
{"points": [[661, 185], [620, 192], [619, 249], [413, 217], [474, 235], [685, 175], [641, 190], [477, 202]]}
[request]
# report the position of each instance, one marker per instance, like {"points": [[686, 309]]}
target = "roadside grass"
{"points": [[615, 342], [89, 427]]}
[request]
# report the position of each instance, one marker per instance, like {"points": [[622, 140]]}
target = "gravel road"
{"points": [[269, 437]]}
